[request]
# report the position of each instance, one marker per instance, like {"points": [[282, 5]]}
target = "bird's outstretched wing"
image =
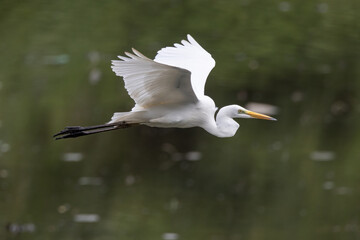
{"points": [[190, 56], [151, 83]]}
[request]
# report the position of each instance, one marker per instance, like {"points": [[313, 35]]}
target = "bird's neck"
{"points": [[224, 126]]}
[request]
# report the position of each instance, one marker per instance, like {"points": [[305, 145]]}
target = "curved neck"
{"points": [[224, 126]]}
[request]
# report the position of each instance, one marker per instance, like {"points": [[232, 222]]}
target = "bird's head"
{"points": [[240, 112]]}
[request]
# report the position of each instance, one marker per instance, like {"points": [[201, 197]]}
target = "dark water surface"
{"points": [[298, 178]]}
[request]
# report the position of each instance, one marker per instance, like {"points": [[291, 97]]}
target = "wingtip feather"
{"points": [[185, 43], [122, 58], [130, 55], [192, 40], [139, 54]]}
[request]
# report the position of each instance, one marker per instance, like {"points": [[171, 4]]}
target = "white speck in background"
{"points": [[4, 173], [284, 6], [94, 76], [4, 147], [328, 185], [322, 7], [86, 218], [262, 108], [170, 236], [72, 157], [193, 156], [322, 156], [94, 181], [129, 180]]}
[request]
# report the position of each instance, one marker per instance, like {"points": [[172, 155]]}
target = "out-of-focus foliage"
{"points": [[293, 179]]}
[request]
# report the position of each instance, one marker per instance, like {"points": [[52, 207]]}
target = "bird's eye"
{"points": [[240, 111]]}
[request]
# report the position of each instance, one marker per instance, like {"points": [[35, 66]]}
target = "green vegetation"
{"points": [[265, 183]]}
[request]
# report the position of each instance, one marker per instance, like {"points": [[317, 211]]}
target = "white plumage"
{"points": [[151, 84], [190, 56], [169, 92]]}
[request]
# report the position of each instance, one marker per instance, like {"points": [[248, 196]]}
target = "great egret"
{"points": [[169, 92]]}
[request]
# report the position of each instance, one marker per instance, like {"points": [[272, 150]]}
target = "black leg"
{"points": [[78, 131]]}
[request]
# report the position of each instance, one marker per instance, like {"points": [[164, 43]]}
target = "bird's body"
{"points": [[173, 115], [169, 92]]}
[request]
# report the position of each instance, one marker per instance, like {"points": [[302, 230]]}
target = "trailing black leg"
{"points": [[78, 131]]}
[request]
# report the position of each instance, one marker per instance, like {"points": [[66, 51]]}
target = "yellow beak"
{"points": [[259, 116]]}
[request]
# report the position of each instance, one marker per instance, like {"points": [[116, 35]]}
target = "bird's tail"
{"points": [[78, 131], [130, 117]]}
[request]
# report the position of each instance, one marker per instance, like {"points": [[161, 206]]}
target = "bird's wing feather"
{"points": [[151, 83], [190, 56]]}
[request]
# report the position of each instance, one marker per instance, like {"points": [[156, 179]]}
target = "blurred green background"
{"points": [[298, 178]]}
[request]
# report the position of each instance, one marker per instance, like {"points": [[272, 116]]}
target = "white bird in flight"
{"points": [[169, 93]]}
